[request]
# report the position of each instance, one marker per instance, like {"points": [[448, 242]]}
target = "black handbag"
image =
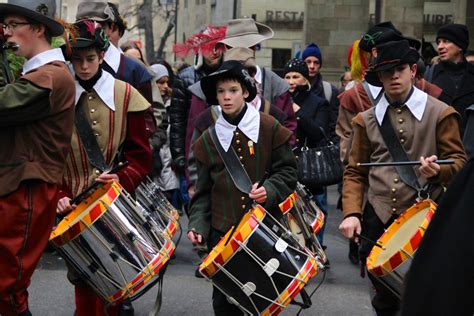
{"points": [[320, 166]]}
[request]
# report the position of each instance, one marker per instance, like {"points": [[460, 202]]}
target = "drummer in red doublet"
{"points": [[261, 144], [114, 112], [426, 130]]}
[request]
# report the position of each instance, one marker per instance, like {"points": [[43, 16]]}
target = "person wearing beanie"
{"points": [[118, 114], [313, 58], [312, 113], [453, 73]]}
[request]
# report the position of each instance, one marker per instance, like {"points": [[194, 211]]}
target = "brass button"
{"points": [[240, 157], [91, 97], [394, 200], [402, 140], [94, 122], [296, 157], [297, 118], [92, 110], [236, 133], [297, 140], [97, 134], [394, 210], [97, 172], [401, 131], [239, 149], [237, 141], [401, 121], [242, 198], [399, 111], [243, 206], [394, 190], [395, 180]]}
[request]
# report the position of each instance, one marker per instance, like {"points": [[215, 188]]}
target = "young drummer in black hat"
{"points": [[36, 119], [426, 129], [115, 112], [262, 146]]}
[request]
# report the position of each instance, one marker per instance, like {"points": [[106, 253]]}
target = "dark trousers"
{"points": [[384, 302], [220, 304]]}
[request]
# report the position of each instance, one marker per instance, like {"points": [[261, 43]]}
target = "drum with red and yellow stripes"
{"points": [[105, 242], [258, 267], [391, 260]]}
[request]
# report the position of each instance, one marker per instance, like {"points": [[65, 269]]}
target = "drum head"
{"points": [[402, 237]]}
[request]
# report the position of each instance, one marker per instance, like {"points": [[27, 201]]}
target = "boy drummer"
{"points": [[261, 144], [115, 115], [425, 128]]}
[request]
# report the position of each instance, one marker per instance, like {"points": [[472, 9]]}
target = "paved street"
{"points": [[343, 292]]}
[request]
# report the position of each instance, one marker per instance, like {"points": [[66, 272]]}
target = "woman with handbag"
{"points": [[312, 114]]}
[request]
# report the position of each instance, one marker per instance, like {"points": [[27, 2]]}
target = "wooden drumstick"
{"points": [[376, 244], [401, 163]]}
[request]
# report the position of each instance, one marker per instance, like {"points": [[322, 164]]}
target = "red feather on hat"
{"points": [[203, 42]]}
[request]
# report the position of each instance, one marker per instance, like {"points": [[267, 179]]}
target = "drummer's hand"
{"points": [[195, 237], [350, 226], [258, 194], [107, 177], [64, 206], [428, 167], [191, 190]]}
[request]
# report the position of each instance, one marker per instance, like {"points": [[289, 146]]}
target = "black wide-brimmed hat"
{"points": [[389, 56], [40, 11], [382, 33], [228, 69], [90, 33]]}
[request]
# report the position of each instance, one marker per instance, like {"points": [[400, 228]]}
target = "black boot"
{"points": [[353, 252], [126, 308]]}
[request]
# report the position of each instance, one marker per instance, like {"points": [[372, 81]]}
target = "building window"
{"points": [[280, 56]]}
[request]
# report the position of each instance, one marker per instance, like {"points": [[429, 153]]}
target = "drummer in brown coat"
{"points": [[426, 130], [36, 118]]}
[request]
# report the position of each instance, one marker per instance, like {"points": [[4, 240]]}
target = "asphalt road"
{"points": [[342, 293]]}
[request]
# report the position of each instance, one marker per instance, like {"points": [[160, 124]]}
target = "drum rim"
{"points": [[142, 277], [88, 214], [208, 268], [410, 247]]}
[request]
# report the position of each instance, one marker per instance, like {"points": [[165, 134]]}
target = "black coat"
{"points": [[441, 277], [313, 115], [464, 96]]}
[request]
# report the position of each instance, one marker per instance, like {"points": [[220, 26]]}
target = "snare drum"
{"points": [[262, 268], [110, 250], [304, 219], [390, 262], [161, 211]]}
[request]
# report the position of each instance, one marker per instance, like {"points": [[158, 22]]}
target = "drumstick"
{"points": [[376, 244], [260, 183], [401, 163], [86, 192]]}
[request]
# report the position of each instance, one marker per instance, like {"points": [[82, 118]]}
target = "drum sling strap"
{"points": [[398, 153], [84, 129], [242, 181]]}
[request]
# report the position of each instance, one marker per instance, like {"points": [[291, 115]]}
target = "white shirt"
{"points": [[104, 87], [54, 54], [249, 125], [416, 104]]}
